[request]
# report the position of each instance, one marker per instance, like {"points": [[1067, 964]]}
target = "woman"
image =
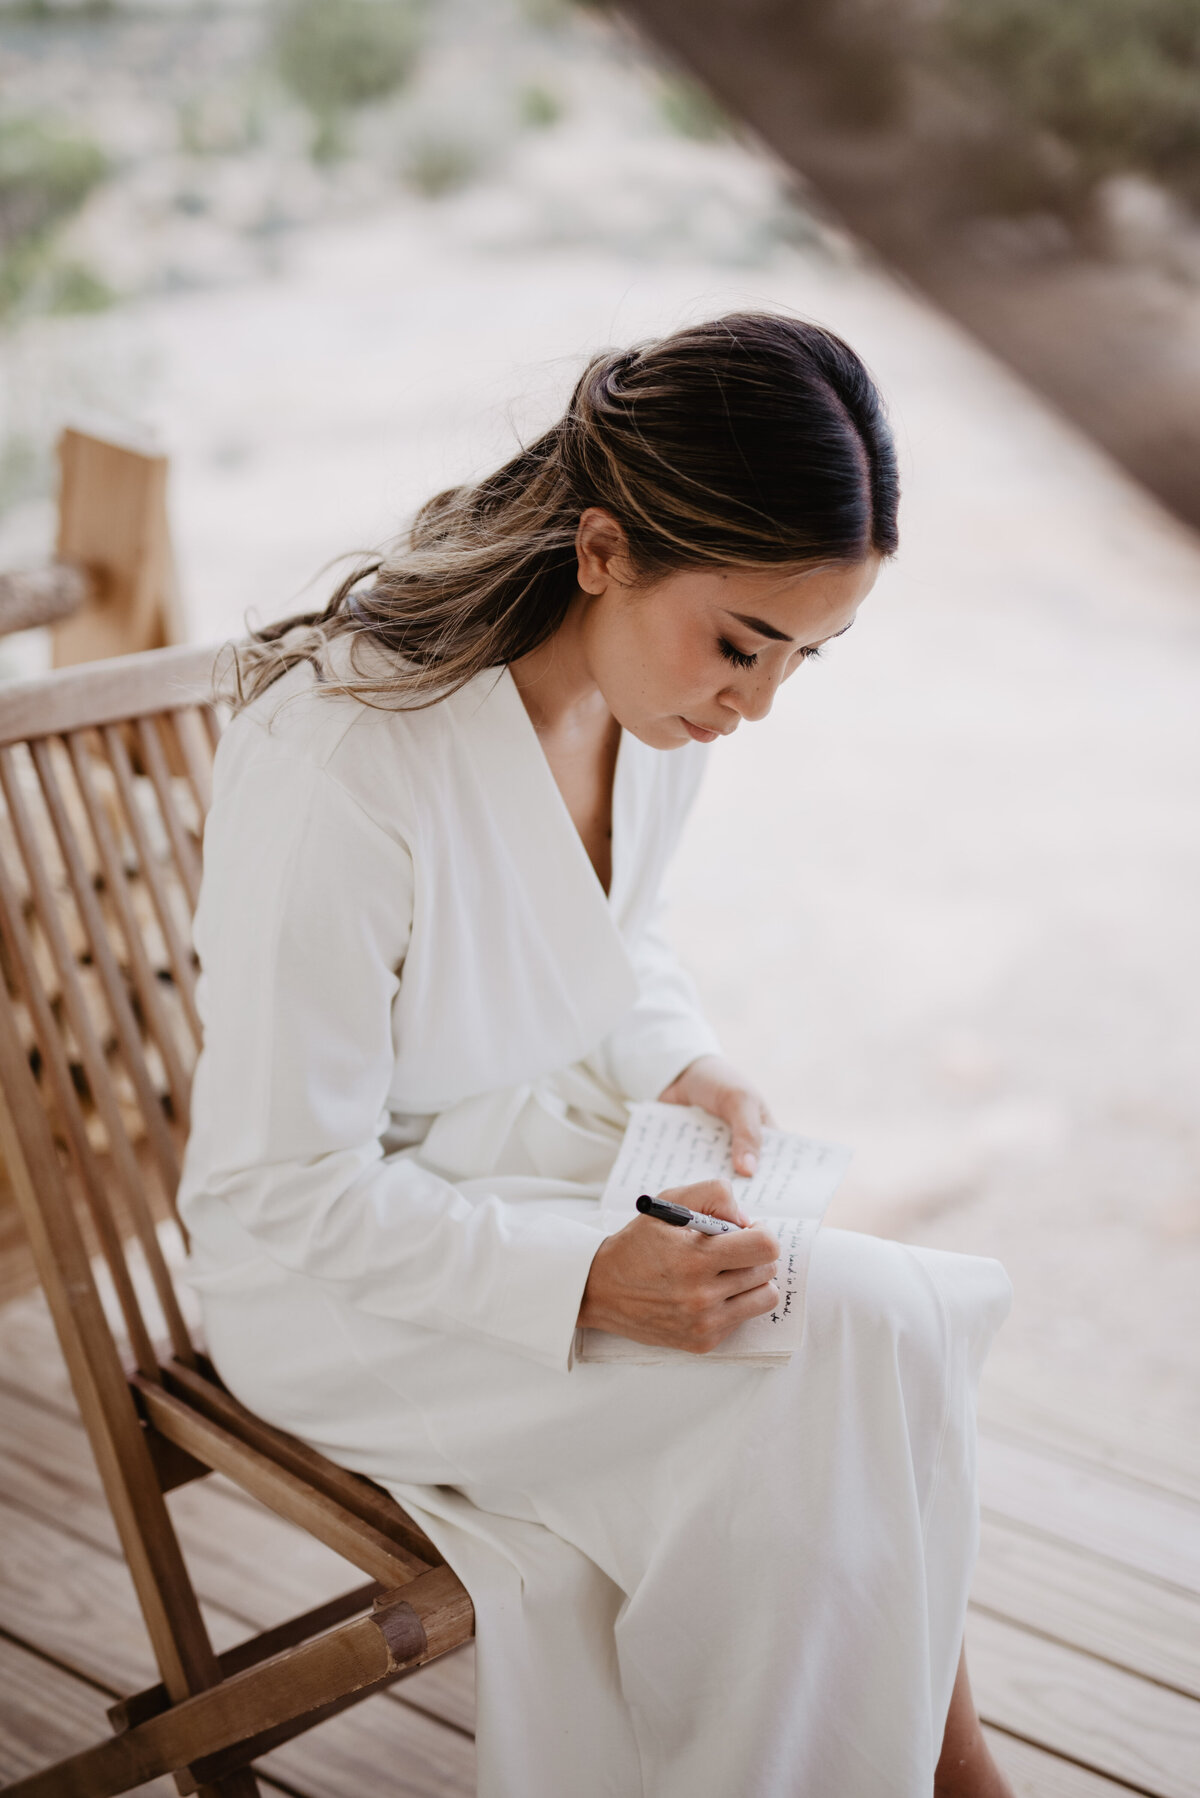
{"points": [[433, 977]]}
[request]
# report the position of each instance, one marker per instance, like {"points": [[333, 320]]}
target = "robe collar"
{"points": [[581, 922], [517, 965]]}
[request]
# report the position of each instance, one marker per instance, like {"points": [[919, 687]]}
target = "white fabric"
{"points": [[423, 1018], [399, 928]]}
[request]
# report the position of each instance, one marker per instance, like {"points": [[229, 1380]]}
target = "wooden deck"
{"points": [[1084, 1635]]}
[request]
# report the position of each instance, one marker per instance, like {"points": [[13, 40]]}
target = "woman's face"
{"points": [[700, 650]]}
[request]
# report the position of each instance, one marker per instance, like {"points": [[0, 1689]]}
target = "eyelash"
{"points": [[741, 660]]}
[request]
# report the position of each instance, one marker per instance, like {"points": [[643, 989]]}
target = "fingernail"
{"points": [[749, 1163]]}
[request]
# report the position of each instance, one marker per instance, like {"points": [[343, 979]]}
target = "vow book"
{"points": [[790, 1190]]}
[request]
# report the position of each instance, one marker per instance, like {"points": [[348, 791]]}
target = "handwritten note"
{"points": [[677, 1145]]}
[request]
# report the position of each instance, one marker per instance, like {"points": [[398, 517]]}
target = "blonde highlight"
{"points": [[681, 440]]}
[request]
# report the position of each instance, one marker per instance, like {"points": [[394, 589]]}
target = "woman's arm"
{"points": [[666, 1049], [302, 929], [666, 1029]]}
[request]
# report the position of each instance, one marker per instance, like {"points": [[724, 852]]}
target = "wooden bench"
{"points": [[105, 782]]}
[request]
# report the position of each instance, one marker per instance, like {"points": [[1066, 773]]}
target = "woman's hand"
{"points": [[715, 1085], [673, 1287]]}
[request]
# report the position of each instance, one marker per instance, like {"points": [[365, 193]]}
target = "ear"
{"points": [[602, 550]]}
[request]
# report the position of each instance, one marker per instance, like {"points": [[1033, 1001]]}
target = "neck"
{"points": [[555, 680]]}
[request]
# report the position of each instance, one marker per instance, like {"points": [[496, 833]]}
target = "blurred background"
{"points": [[336, 253], [330, 255]]}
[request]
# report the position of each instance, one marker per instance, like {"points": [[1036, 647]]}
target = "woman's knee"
{"points": [[877, 1295]]}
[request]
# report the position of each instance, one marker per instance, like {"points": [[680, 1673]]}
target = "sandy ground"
{"points": [[942, 904]]}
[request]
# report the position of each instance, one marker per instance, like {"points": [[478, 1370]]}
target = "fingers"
{"points": [[724, 1319], [754, 1303], [743, 1112], [752, 1247], [715, 1197], [733, 1280]]}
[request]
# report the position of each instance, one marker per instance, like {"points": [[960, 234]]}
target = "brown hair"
{"points": [[752, 440]]}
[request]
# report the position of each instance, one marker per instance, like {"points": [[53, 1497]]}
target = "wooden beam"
{"points": [[112, 521], [361, 1497], [39, 596], [73, 1603], [284, 1492], [128, 1712], [125, 687], [403, 1630]]}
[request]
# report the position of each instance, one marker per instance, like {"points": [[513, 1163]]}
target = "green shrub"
{"points": [[1117, 80], [439, 165], [45, 175], [691, 110], [74, 287], [538, 106], [339, 54]]}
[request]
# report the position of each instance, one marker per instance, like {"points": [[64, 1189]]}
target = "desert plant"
{"points": [[690, 109], [336, 55], [436, 166], [45, 174], [538, 106], [74, 287], [1118, 81]]}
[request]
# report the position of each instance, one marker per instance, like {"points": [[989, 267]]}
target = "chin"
{"points": [[660, 733]]}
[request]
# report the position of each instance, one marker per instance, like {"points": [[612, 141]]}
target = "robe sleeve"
{"points": [[302, 928], [666, 1028]]}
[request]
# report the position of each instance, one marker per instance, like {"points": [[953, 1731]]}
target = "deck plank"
{"points": [[46, 1465], [377, 1750], [30, 1358], [1089, 1603], [1066, 1421], [1077, 1606], [247, 1565], [45, 1715], [1136, 1524], [1036, 1774], [1068, 1703], [75, 1604]]}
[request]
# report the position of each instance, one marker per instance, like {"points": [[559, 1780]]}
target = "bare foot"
{"points": [[966, 1768]]}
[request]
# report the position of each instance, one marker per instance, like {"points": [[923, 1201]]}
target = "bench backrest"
{"points": [[105, 780]]}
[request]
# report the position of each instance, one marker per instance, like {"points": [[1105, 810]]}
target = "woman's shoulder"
{"points": [[379, 751], [303, 728]]}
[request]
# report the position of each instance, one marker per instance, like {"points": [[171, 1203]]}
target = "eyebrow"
{"points": [[768, 630]]}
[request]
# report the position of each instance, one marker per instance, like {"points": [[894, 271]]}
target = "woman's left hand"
{"points": [[716, 1086]]}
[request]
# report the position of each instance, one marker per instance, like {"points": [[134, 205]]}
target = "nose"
{"points": [[752, 696]]}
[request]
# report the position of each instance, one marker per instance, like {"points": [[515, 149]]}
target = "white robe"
{"points": [[423, 1018]]}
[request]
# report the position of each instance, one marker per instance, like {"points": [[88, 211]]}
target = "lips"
{"points": [[698, 733]]}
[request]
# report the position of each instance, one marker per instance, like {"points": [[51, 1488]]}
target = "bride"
{"points": [[434, 976]]}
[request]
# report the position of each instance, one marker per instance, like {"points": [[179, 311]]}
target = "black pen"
{"points": [[679, 1214]]}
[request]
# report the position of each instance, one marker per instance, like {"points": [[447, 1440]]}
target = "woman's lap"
{"points": [[884, 1325], [666, 1542]]}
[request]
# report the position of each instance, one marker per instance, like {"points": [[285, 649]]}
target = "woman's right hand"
{"points": [[676, 1288]]}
